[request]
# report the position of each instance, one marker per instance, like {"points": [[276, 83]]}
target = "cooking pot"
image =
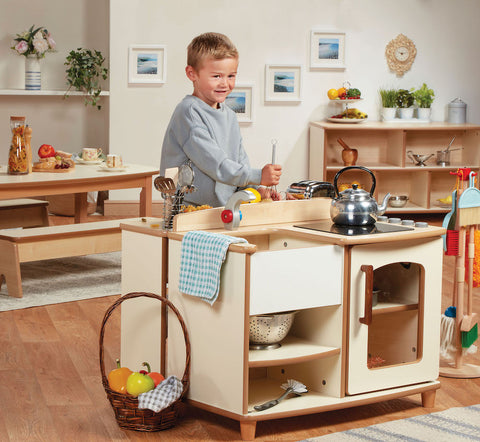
{"points": [[354, 206]]}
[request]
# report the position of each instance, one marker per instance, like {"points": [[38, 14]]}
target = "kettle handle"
{"points": [[374, 181]]}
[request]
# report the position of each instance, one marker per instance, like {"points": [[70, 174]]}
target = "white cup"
{"points": [[114, 161], [91, 153]]}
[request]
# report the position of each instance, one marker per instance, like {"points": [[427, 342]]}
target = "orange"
{"points": [[332, 94], [341, 91]]}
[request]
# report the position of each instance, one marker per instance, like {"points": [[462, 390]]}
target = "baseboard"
{"points": [[129, 209]]}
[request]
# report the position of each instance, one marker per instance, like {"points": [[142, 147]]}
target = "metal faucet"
{"points": [[231, 215]]}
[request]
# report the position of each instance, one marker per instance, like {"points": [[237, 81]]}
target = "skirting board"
{"points": [[129, 209]]}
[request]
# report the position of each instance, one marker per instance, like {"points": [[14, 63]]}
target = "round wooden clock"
{"points": [[400, 53]]}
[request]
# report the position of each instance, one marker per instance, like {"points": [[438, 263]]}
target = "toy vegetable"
{"points": [[117, 378], [156, 377], [138, 383]]}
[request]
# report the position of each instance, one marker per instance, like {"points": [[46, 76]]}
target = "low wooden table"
{"points": [[79, 181]]}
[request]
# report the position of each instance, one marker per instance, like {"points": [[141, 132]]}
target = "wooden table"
{"points": [[79, 181]]}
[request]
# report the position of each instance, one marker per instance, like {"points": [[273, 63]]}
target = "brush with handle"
{"points": [[291, 386]]}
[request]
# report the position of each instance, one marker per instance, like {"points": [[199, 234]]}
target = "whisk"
{"points": [[274, 155], [291, 386]]}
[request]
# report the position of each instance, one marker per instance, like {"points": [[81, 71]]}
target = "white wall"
{"points": [[446, 35], [66, 124]]}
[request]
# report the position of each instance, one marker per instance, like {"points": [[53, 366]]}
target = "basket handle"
{"points": [[108, 313]]}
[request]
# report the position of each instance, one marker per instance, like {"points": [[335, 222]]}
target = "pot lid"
{"points": [[457, 103]]}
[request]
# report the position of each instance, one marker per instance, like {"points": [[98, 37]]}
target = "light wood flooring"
{"points": [[50, 384]]}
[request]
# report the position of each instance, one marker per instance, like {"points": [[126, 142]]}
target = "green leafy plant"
{"points": [[404, 98], [424, 96], [84, 71], [389, 97]]}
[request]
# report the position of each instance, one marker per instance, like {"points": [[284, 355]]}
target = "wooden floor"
{"points": [[50, 385]]}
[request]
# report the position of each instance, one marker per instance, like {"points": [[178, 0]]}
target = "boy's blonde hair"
{"points": [[210, 45]]}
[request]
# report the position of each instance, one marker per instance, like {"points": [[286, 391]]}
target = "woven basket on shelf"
{"points": [[127, 413]]}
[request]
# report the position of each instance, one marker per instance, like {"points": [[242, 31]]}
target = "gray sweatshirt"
{"points": [[211, 139]]}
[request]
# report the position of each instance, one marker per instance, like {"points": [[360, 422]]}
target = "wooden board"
{"points": [[36, 169]]}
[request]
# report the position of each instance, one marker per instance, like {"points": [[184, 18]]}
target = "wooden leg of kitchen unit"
{"points": [[247, 430], [428, 398]]}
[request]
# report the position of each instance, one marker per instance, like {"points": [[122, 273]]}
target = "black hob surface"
{"points": [[373, 229]]}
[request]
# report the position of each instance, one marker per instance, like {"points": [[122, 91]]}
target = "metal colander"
{"points": [[266, 331]]}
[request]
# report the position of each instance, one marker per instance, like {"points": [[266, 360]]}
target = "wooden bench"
{"points": [[23, 213], [36, 244]]}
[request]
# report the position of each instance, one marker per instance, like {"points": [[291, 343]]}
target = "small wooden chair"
{"points": [[23, 213]]}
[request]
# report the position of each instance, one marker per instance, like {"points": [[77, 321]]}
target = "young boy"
{"points": [[205, 131]]}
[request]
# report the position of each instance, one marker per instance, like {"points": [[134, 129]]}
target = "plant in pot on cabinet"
{"points": [[33, 44], [405, 103], [389, 103], [424, 99], [84, 73]]}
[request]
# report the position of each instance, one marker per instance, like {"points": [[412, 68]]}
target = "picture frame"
{"points": [[283, 82], [240, 100], [147, 64], [327, 50]]}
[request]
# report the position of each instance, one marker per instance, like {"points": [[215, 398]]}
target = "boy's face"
{"points": [[214, 80]]}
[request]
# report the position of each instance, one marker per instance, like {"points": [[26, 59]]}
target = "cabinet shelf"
{"points": [[383, 308], [45, 92], [293, 350], [383, 148]]}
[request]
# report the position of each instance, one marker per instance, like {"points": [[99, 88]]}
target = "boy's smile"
{"points": [[214, 80]]}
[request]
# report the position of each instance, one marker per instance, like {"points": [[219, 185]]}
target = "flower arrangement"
{"points": [[35, 41]]}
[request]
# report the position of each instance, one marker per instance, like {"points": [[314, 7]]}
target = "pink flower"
{"points": [[51, 41], [21, 47]]}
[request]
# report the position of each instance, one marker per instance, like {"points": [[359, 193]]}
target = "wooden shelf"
{"points": [[383, 308], [383, 148], [45, 92], [292, 350]]}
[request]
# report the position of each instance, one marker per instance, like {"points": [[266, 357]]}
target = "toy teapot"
{"points": [[356, 207]]}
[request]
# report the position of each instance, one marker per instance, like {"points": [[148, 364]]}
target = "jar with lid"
{"points": [[17, 157], [457, 111]]}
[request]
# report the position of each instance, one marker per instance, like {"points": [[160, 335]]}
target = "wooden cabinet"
{"points": [[383, 148]]}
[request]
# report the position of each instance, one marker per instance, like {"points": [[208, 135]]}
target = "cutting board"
{"points": [[35, 169]]}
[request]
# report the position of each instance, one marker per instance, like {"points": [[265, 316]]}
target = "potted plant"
{"points": [[405, 102], [389, 103], [424, 99], [84, 72]]}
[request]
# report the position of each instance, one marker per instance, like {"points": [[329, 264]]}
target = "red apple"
{"points": [[46, 151]]}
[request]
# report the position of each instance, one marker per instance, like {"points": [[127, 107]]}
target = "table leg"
{"points": [[146, 198], [81, 206]]}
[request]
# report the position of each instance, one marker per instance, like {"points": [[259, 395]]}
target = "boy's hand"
{"points": [[269, 193], [271, 174]]}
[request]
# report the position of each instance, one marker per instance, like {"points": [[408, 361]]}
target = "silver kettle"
{"points": [[356, 207]]}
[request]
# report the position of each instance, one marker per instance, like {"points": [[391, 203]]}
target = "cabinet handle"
{"points": [[367, 315]]}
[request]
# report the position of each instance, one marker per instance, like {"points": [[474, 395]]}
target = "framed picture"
{"points": [[147, 64], [240, 100], [283, 82], [327, 50]]}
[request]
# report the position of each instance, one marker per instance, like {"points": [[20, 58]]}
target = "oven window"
{"points": [[394, 335]]}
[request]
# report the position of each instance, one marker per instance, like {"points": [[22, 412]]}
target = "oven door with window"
{"points": [[394, 314]]}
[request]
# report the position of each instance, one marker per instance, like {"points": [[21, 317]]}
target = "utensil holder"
{"points": [[125, 407]]}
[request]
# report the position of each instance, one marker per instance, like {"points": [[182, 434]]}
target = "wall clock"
{"points": [[400, 53]]}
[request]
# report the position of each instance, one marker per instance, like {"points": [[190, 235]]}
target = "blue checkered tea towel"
{"points": [[162, 396], [202, 256]]}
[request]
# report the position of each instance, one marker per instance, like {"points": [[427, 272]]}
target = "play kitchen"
{"points": [[307, 319]]}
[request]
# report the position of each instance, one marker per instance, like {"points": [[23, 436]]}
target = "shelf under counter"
{"points": [[383, 308], [45, 92], [292, 350]]}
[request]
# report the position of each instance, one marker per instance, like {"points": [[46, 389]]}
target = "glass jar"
{"points": [[17, 157]]}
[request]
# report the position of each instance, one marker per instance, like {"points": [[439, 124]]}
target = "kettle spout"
{"points": [[381, 209]]}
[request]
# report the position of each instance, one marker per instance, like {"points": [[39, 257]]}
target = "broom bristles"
{"points": [[468, 216]]}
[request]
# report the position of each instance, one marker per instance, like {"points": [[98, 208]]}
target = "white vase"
{"points": [[406, 113], [33, 75], [388, 113], [423, 113]]}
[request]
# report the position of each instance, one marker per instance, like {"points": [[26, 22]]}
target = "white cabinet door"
{"points": [[405, 327]]}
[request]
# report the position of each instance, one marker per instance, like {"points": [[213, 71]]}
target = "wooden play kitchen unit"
{"points": [[367, 325], [384, 147]]}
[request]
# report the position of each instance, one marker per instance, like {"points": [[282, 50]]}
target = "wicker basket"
{"points": [[127, 413]]}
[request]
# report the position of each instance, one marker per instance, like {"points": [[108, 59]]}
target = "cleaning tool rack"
{"points": [[459, 325]]}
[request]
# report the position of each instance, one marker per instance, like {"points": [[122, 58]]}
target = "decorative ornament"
{"points": [[400, 53]]}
